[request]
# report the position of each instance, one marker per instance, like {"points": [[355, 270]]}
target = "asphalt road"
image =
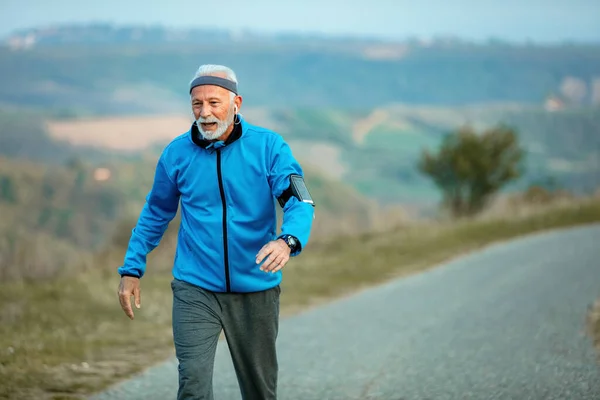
{"points": [[504, 323]]}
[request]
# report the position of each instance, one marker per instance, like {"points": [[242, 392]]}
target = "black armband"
{"points": [[296, 189]]}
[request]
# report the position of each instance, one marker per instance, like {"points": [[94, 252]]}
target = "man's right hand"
{"points": [[129, 286]]}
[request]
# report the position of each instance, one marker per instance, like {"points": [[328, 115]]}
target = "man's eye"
{"points": [[214, 103]]}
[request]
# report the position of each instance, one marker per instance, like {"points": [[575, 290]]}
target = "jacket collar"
{"points": [[215, 144]]}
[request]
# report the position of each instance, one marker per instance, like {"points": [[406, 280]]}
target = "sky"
{"points": [[512, 20]]}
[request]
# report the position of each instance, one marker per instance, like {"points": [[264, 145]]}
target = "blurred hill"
{"points": [[122, 70], [375, 151], [357, 112]]}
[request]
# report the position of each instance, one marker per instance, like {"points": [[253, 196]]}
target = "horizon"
{"points": [[303, 34], [387, 20]]}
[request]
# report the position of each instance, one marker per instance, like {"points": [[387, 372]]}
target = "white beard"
{"points": [[221, 125]]}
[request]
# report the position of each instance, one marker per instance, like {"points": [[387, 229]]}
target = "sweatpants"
{"points": [[250, 322]]}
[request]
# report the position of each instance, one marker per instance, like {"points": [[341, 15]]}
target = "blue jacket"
{"points": [[228, 202]]}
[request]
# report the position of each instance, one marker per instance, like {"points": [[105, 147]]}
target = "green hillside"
{"points": [[137, 77], [374, 152], [379, 150]]}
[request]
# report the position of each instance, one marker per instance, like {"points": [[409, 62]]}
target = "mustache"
{"points": [[209, 120]]}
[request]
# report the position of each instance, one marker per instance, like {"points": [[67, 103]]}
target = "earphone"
{"points": [[235, 109]]}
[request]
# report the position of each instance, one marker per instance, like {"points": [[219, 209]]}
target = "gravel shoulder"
{"points": [[506, 322]]}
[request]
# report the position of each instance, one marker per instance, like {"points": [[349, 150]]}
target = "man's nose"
{"points": [[204, 112]]}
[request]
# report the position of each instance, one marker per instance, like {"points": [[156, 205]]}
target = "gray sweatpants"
{"points": [[250, 322]]}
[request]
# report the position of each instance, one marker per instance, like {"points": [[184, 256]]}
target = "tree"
{"points": [[470, 167]]}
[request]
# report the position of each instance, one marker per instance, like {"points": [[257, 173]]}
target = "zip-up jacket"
{"points": [[227, 191]]}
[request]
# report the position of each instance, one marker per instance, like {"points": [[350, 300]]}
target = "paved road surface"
{"points": [[504, 323]]}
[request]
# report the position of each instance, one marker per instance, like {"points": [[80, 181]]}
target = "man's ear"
{"points": [[237, 101]]}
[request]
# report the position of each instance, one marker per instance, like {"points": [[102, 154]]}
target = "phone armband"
{"points": [[296, 189]]}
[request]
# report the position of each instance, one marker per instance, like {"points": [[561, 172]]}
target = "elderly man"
{"points": [[227, 270]]}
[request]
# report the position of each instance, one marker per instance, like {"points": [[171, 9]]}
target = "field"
{"points": [[133, 133], [119, 133]]}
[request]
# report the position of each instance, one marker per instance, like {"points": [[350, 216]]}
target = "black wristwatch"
{"points": [[291, 241]]}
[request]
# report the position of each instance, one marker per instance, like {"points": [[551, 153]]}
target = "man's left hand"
{"points": [[278, 253]]}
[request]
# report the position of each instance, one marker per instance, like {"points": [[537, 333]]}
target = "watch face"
{"points": [[291, 241]]}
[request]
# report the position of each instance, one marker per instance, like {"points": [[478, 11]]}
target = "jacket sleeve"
{"points": [[297, 216], [160, 208]]}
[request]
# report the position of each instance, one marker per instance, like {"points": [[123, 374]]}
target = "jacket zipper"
{"points": [[226, 252]]}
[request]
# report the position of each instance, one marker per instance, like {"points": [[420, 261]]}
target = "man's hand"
{"points": [[129, 286], [278, 254]]}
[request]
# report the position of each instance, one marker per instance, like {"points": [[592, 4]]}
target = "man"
{"points": [[226, 173]]}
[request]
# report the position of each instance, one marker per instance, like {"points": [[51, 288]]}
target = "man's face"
{"points": [[213, 110]]}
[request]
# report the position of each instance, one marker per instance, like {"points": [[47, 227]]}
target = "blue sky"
{"points": [[515, 20]]}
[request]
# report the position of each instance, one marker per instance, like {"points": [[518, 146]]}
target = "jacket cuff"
{"points": [[129, 272], [298, 244]]}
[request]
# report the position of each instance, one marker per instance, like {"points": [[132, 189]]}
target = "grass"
{"points": [[67, 338], [593, 324]]}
